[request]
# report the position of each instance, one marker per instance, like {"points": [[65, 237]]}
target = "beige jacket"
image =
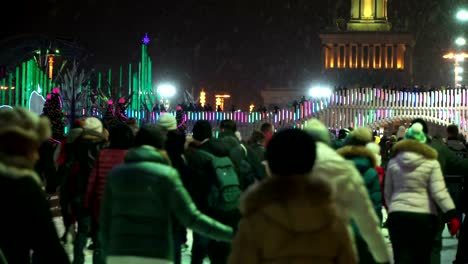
{"points": [[291, 220], [414, 180], [352, 197]]}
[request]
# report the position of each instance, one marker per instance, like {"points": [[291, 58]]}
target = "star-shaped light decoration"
{"points": [[146, 40]]}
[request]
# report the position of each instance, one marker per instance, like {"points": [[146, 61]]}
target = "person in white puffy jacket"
{"points": [[414, 187], [352, 197]]}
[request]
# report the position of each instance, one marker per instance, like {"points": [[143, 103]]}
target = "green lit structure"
{"points": [[16, 88]]}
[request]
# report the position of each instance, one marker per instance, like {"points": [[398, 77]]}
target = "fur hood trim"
{"points": [[17, 167], [360, 136], [299, 202], [410, 145], [357, 151]]}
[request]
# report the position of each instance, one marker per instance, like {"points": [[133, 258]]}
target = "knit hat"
{"points": [[423, 123], [375, 148], [167, 121], [416, 132], [202, 130], [360, 137], [291, 152], [318, 131], [94, 124]]}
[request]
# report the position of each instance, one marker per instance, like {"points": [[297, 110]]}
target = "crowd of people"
{"points": [[287, 196]]}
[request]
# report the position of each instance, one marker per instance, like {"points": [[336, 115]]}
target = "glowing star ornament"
{"points": [[146, 40]]}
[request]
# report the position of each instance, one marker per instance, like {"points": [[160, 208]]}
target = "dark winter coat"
{"points": [[27, 221], [45, 166], [248, 167], [456, 145], [85, 152], [108, 159], [202, 175], [450, 163], [141, 196], [258, 151]]}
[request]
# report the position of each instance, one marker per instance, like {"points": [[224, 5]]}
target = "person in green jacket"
{"points": [[356, 151], [141, 196]]}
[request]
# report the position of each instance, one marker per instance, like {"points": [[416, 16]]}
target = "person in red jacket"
{"points": [[268, 130], [121, 139]]}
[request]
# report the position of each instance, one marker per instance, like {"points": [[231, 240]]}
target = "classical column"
{"points": [[358, 56], [345, 56], [331, 53], [385, 61], [325, 56], [338, 58]]}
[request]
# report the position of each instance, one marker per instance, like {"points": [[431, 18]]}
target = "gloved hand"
{"points": [[453, 226]]}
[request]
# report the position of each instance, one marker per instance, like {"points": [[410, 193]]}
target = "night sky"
{"points": [[222, 45], [233, 46]]}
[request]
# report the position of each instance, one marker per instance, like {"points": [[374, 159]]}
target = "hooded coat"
{"points": [[27, 223], [414, 181], [291, 220]]}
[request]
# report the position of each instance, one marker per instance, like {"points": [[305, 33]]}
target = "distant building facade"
{"points": [[368, 52]]}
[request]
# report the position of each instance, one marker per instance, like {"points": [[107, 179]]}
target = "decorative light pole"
{"points": [[457, 58]]}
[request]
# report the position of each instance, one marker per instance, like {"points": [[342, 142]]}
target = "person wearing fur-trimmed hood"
{"points": [[414, 187], [27, 221], [356, 151]]}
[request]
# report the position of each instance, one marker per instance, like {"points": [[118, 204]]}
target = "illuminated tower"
{"points": [[369, 15], [368, 52]]}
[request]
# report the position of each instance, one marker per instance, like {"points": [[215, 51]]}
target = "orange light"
{"points": [[251, 108], [202, 98], [51, 66]]}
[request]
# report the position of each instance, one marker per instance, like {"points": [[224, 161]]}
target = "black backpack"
{"points": [[225, 193]]}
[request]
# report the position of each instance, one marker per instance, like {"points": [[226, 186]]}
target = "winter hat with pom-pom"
{"points": [[360, 137], [416, 132]]}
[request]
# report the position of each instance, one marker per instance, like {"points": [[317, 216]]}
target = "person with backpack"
{"points": [[248, 168], [215, 188]]}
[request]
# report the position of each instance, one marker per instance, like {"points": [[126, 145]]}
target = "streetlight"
{"points": [[462, 15], [320, 92], [166, 90], [457, 58], [460, 41]]}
